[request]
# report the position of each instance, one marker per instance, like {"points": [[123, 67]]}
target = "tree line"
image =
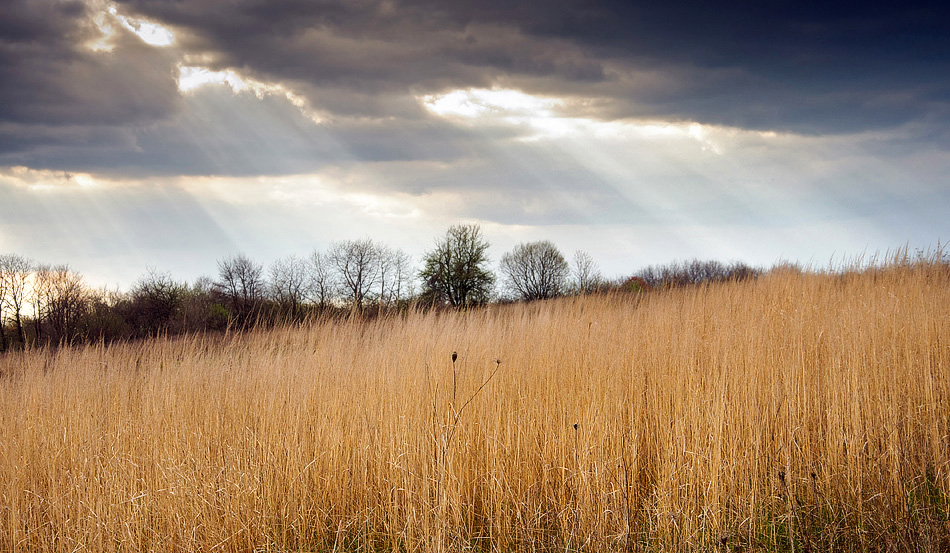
{"points": [[50, 305]]}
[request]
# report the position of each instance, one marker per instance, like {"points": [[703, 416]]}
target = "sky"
{"points": [[166, 135]]}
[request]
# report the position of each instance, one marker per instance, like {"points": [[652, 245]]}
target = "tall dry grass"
{"points": [[793, 412]]}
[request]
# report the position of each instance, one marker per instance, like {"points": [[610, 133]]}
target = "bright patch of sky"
{"points": [[44, 180], [477, 103], [194, 77], [150, 33], [103, 42], [549, 118]]}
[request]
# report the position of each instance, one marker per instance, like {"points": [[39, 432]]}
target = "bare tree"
{"points": [[42, 281], [357, 266], [394, 275], [385, 279], [534, 271], [288, 283], [3, 315], [14, 278], [156, 303], [403, 276], [321, 283], [16, 271], [64, 302], [456, 272], [241, 280], [587, 276]]}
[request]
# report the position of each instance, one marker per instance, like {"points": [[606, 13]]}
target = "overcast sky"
{"points": [[169, 134]]}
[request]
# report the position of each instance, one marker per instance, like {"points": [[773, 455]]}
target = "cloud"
{"points": [[340, 84], [53, 77], [799, 67], [219, 131], [77, 85], [91, 94]]}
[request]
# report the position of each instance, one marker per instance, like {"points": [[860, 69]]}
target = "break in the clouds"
{"points": [[641, 131]]}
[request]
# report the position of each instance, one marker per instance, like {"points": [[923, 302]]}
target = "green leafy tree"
{"points": [[457, 271]]}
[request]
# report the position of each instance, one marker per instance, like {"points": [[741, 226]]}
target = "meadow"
{"points": [[797, 411]]}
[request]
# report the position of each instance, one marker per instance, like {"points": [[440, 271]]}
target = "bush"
{"points": [[678, 273]]}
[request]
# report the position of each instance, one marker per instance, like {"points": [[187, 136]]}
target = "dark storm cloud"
{"points": [[61, 99], [50, 76], [799, 66], [368, 48]]}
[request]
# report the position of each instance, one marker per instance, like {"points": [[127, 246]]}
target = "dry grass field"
{"points": [[794, 412]]}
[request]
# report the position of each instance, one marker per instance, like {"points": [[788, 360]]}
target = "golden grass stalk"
{"points": [[794, 412]]}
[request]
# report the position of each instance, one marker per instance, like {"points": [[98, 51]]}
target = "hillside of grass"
{"points": [[795, 411]]}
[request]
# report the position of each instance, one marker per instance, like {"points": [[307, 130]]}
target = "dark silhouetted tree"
{"points": [[104, 317], [288, 284], [63, 301], [38, 294], [204, 307], [321, 285], [535, 271], [357, 267], [155, 304], [241, 281], [456, 272]]}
